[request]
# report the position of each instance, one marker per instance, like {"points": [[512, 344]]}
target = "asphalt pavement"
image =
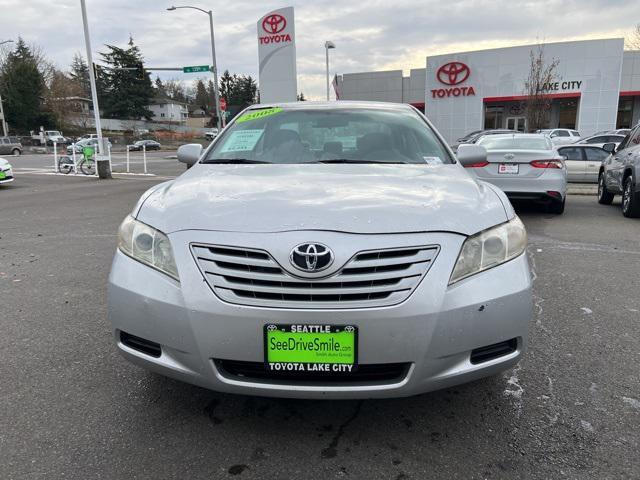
{"points": [[71, 407]]}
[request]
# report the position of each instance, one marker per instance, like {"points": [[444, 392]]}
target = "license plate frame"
{"points": [[343, 361], [508, 169]]}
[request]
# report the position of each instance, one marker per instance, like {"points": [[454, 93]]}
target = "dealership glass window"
{"points": [[625, 112], [567, 113], [493, 117]]}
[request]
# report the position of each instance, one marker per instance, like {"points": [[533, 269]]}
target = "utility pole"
{"points": [[4, 120], [328, 45], [102, 167]]}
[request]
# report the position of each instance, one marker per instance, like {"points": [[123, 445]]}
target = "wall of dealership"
{"points": [[596, 78]]}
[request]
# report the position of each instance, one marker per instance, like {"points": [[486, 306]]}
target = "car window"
{"points": [[595, 154], [571, 153], [303, 135], [5, 140], [494, 142], [575, 133], [598, 139], [634, 138], [561, 133]]}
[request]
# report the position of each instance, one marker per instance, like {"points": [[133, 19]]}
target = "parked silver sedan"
{"points": [[323, 250], [525, 166], [583, 162]]}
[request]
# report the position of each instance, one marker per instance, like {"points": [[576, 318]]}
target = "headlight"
{"points": [[489, 248], [147, 245]]}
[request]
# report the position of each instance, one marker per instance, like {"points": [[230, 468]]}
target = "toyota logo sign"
{"points": [[274, 23], [453, 73], [311, 257]]}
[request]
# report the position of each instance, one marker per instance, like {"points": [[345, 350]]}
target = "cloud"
{"points": [[369, 35]]}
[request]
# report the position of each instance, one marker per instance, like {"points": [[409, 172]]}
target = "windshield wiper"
{"points": [[236, 161], [349, 160]]}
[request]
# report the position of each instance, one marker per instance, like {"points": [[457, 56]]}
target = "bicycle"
{"points": [[87, 164]]}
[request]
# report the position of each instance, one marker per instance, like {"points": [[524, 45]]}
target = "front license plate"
{"points": [[311, 348], [511, 168]]}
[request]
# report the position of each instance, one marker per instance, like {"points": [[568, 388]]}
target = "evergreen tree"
{"points": [[125, 93], [202, 98], [22, 87], [160, 90], [80, 75]]}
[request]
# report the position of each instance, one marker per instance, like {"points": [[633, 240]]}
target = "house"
{"points": [[198, 117], [169, 111]]}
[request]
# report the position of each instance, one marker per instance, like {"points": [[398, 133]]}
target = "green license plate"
{"points": [[311, 348]]}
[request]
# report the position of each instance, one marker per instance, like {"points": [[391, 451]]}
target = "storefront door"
{"points": [[517, 123]]}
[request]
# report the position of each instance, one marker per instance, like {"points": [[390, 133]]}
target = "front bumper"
{"points": [[433, 332], [8, 177]]}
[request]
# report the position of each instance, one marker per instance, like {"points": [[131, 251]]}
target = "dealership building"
{"points": [[597, 87]]}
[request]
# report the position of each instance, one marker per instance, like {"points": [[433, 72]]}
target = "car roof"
{"points": [[340, 105], [519, 135]]}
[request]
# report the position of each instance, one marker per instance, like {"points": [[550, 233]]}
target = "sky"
{"points": [[369, 35]]}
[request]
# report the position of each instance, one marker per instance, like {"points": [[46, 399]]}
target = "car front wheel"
{"points": [[604, 196], [630, 200], [16, 152]]}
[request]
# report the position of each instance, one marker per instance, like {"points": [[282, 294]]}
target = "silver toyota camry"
{"points": [[323, 250]]}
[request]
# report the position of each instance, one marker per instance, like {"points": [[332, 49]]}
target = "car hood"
{"points": [[359, 198]]}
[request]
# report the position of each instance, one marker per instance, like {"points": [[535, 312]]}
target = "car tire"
{"points": [[630, 200], [604, 196], [556, 208], [16, 152]]}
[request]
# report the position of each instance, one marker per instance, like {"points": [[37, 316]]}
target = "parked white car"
{"points": [[6, 173], [601, 139], [583, 161], [561, 136]]}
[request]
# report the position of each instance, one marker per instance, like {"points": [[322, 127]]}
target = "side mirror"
{"points": [[609, 147], [468, 154], [189, 153]]}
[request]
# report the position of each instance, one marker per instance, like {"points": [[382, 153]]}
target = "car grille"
{"points": [[370, 278], [382, 373]]}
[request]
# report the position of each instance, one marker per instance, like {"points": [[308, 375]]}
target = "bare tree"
{"points": [[541, 77], [632, 42], [62, 99]]}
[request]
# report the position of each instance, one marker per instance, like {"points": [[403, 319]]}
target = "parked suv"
{"points": [[619, 174], [561, 136], [10, 146]]}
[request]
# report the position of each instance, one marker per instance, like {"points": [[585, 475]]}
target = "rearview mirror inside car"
{"points": [[468, 154], [189, 153], [609, 147]]}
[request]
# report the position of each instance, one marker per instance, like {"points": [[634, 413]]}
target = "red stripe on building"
{"points": [[630, 93], [516, 98]]}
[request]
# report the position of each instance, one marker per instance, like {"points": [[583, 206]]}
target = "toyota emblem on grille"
{"points": [[311, 257]]}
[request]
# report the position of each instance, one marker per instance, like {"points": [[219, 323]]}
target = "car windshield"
{"points": [[306, 135], [494, 142]]}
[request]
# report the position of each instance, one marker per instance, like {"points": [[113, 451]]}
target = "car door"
{"points": [[614, 165], [561, 137], [4, 146], [594, 158], [575, 162], [633, 155]]}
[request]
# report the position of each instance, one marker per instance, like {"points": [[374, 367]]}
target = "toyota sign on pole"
{"points": [[277, 56]]}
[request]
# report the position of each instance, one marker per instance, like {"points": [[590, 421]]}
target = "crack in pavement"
{"points": [[331, 450]]}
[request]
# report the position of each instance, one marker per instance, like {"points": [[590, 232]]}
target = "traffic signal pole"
{"points": [[102, 167]]}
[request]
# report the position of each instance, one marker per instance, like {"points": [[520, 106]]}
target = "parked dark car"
{"points": [[10, 146], [473, 137], [148, 144], [619, 174]]}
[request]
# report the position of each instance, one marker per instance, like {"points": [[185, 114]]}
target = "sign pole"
{"points": [[214, 70]]}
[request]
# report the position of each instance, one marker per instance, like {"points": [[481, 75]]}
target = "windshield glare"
{"points": [[277, 135], [515, 143]]}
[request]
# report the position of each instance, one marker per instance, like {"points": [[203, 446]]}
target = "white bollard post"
{"points": [[144, 157], [128, 158], [55, 157], [75, 164]]}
